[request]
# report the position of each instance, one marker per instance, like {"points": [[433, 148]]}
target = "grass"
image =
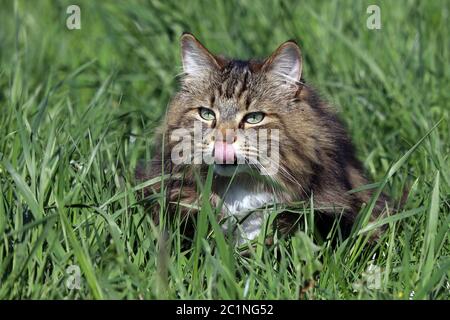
{"points": [[79, 109]]}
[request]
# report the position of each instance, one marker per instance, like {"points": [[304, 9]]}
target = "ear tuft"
{"points": [[286, 61], [195, 57]]}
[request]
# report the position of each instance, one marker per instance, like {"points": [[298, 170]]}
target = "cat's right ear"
{"points": [[197, 60], [286, 61]]}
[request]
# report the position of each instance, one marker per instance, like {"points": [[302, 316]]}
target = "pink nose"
{"points": [[223, 152]]}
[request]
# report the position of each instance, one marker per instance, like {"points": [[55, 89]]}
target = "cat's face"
{"points": [[241, 107]]}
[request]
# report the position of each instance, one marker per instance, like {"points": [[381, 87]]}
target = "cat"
{"points": [[316, 159]]}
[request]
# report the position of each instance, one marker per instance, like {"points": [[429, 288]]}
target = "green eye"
{"points": [[207, 114], [254, 117]]}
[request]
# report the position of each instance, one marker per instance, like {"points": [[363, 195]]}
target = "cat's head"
{"points": [[228, 99]]}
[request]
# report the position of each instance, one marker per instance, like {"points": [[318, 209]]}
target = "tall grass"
{"points": [[78, 110]]}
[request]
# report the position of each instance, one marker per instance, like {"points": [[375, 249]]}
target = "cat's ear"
{"points": [[286, 61], [195, 57]]}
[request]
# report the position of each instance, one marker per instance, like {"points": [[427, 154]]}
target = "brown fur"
{"points": [[315, 151]]}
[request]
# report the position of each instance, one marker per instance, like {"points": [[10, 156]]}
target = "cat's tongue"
{"points": [[223, 153]]}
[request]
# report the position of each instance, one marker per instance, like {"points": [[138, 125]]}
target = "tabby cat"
{"points": [[316, 160]]}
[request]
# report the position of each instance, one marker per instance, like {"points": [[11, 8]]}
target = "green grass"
{"points": [[78, 110]]}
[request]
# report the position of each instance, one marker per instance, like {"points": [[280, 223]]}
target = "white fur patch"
{"points": [[239, 201]]}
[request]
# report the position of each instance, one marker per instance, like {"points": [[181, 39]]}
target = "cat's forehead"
{"points": [[237, 85], [235, 78], [228, 108]]}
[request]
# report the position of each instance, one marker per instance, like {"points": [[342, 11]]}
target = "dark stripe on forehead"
{"points": [[243, 84], [219, 91], [247, 102], [229, 86], [235, 78]]}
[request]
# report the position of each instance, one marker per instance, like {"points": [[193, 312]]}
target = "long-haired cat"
{"points": [[226, 98]]}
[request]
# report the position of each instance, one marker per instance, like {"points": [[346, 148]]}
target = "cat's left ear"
{"points": [[286, 61], [195, 57]]}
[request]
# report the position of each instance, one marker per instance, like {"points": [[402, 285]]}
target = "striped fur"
{"points": [[317, 157]]}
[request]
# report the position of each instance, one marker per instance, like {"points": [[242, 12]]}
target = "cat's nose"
{"points": [[224, 153], [226, 134]]}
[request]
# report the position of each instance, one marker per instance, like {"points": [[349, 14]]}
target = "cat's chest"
{"points": [[239, 200], [240, 207]]}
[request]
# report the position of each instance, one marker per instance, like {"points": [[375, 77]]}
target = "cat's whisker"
{"points": [[275, 192], [260, 165], [283, 172]]}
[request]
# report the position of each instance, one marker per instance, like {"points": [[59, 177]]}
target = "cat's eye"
{"points": [[254, 117], [207, 114]]}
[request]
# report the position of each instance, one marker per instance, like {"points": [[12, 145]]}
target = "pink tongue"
{"points": [[223, 152]]}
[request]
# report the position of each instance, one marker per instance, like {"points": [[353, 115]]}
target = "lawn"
{"points": [[79, 108]]}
